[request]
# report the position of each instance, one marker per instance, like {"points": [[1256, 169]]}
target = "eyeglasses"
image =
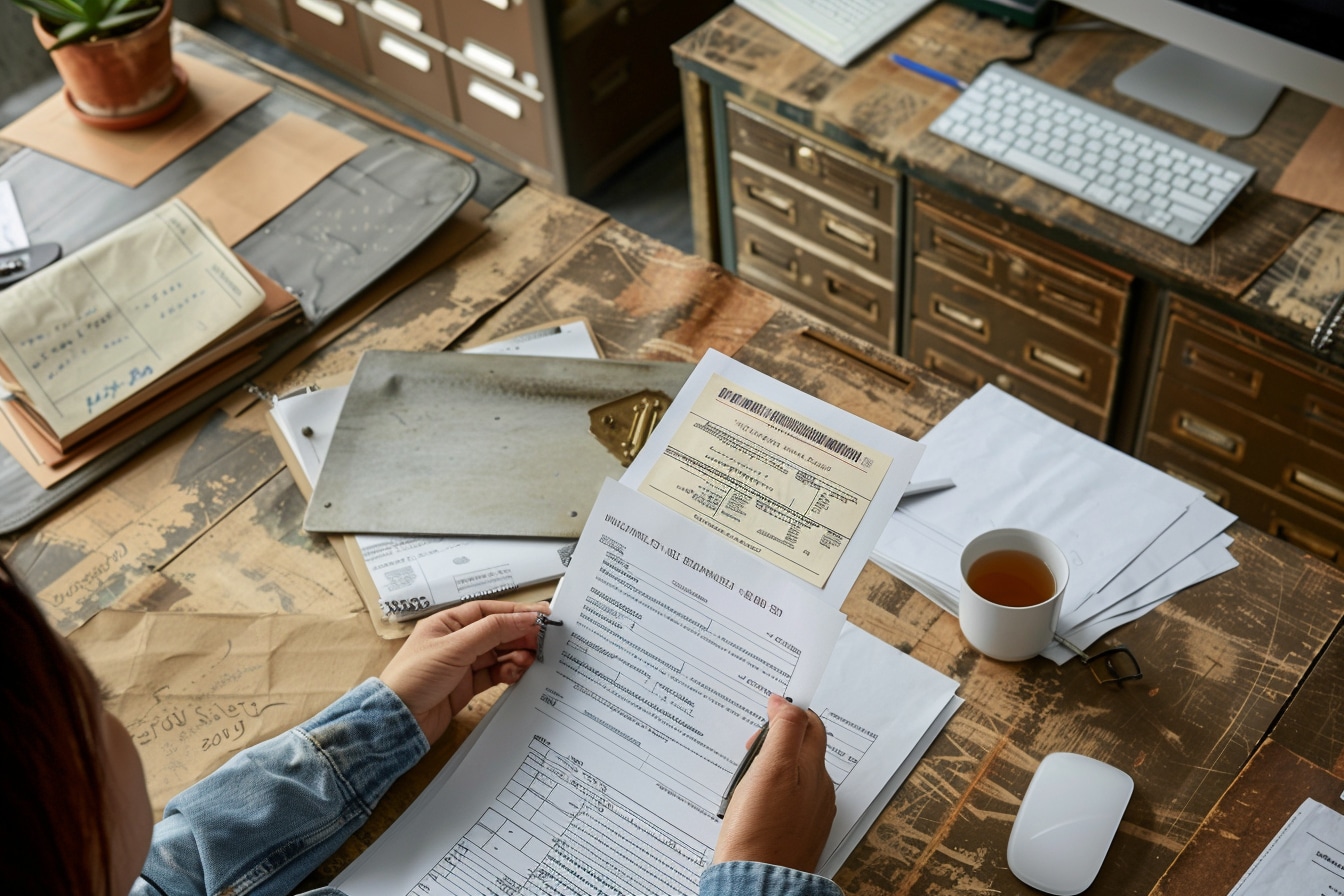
{"points": [[1114, 665]]}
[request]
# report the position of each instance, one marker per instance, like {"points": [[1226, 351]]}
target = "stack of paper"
{"points": [[708, 578], [1133, 535], [132, 327]]}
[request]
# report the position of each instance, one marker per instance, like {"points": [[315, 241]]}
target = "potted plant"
{"points": [[115, 57]]}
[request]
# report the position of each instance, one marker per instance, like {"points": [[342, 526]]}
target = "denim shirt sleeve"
{"points": [[262, 822], [760, 879]]}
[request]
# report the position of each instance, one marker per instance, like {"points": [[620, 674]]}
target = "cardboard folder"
{"points": [[461, 444]]}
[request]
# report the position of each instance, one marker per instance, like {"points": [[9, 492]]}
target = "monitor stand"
{"points": [[1219, 97]]}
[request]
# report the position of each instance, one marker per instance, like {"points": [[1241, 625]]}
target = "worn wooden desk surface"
{"points": [[881, 111], [210, 521]]}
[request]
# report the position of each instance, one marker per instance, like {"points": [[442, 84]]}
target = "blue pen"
{"points": [[940, 77]]}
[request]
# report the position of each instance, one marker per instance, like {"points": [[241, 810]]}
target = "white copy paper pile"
{"points": [[1133, 535]]}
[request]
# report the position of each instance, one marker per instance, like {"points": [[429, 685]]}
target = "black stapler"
{"points": [[19, 263]]}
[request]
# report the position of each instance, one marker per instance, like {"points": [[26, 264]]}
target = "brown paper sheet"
{"points": [[1316, 174], [195, 688], [132, 157], [261, 178]]}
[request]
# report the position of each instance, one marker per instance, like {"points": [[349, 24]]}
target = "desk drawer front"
{"points": [[866, 190], [1078, 299], [331, 26], [1050, 352], [1225, 433], [499, 113], [854, 303], [398, 59], [860, 240], [1254, 504], [495, 33], [1255, 381], [972, 369]]}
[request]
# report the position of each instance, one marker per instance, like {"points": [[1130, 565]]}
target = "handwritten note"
{"points": [[94, 329]]}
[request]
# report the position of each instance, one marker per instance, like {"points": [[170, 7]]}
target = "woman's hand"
{"points": [[781, 811], [455, 654]]}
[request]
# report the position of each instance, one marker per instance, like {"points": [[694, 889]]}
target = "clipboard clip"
{"points": [[624, 425], [1114, 665]]}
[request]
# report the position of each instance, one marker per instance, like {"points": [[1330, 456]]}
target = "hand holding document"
{"points": [[1133, 535], [684, 607]]}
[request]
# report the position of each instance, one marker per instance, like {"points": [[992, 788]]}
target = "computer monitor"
{"points": [[1226, 60]]}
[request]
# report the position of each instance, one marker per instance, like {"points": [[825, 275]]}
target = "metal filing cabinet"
{"points": [[564, 92], [991, 303], [1256, 424], [814, 225]]}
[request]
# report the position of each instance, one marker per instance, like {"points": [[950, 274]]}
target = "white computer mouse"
{"points": [[1069, 816]]}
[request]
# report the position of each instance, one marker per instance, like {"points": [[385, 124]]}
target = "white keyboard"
{"points": [[838, 30], [1124, 166]]}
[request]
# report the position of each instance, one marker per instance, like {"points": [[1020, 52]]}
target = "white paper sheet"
{"points": [[1305, 858], [603, 770], [732, 439], [13, 236]]}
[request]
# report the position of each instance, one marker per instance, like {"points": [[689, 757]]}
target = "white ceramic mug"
{"points": [[1004, 632]]}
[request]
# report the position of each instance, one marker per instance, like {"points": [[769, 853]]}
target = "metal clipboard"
{"points": [[448, 443]]}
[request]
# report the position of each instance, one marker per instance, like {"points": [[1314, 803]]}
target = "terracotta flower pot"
{"points": [[119, 79]]}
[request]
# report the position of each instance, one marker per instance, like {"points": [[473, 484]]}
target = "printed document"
{"points": [[95, 328], [603, 770], [784, 475], [1305, 858]]}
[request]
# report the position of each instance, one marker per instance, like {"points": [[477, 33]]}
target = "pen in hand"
{"points": [[742, 768]]}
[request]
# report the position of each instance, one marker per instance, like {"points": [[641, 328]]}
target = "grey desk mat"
{"points": [[464, 444], [326, 247]]}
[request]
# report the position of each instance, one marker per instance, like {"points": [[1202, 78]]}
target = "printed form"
{"points": [[1305, 858], [602, 771]]}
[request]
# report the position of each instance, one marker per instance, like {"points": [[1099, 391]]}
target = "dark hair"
{"points": [[51, 783]]}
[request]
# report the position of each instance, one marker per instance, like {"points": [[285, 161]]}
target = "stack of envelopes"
{"points": [[132, 327], [1133, 535]]}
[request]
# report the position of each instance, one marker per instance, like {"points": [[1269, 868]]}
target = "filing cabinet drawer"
{"points": [[406, 63], [269, 14], [1038, 345], [496, 34], [861, 241], [1226, 434], [1252, 379], [1079, 295], [853, 303], [331, 26], [866, 190], [1254, 504], [500, 113], [972, 369], [416, 16]]}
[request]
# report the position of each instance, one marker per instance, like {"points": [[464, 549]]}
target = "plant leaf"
{"points": [[126, 18], [50, 11], [75, 31]]}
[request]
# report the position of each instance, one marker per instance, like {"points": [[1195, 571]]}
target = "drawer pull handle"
{"points": [[400, 14], [491, 60], [495, 98], [1307, 541], [324, 9], [1325, 413], [499, 4], [399, 49], [769, 198], [1087, 309], [954, 245], [1203, 431], [852, 298], [1212, 492], [1044, 358], [851, 236], [959, 317], [957, 373], [1221, 369], [1317, 485], [785, 263], [854, 184], [609, 80]]}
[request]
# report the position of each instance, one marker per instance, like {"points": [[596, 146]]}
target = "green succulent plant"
{"points": [[85, 20]]}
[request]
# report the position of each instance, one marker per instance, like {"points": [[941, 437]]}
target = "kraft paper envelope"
{"points": [[195, 688]]}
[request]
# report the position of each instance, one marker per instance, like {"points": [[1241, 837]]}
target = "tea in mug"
{"points": [[1011, 578]]}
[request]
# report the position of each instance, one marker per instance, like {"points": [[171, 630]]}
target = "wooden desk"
{"points": [[822, 185], [209, 521]]}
